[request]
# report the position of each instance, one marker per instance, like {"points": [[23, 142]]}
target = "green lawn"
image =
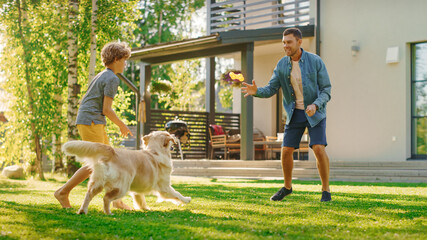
{"points": [[221, 209]]}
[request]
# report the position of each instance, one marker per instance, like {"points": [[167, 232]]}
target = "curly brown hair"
{"points": [[114, 51]]}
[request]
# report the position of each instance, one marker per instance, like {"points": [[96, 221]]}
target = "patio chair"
{"points": [[218, 140], [260, 149]]}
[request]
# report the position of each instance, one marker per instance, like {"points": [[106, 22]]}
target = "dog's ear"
{"points": [[169, 138], [146, 138]]}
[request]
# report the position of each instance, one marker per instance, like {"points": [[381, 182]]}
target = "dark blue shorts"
{"points": [[295, 129]]}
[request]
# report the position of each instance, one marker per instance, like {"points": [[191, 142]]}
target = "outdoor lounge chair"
{"points": [[219, 140]]}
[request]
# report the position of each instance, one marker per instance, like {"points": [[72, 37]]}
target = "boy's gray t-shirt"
{"points": [[103, 84]]}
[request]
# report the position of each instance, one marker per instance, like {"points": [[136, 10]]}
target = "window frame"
{"points": [[414, 117]]}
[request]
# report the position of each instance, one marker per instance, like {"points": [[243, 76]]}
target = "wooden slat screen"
{"points": [[197, 123], [228, 121], [241, 15]]}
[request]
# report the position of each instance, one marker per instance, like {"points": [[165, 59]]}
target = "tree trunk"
{"points": [[160, 25], [58, 164], [36, 139], [73, 87], [56, 138], [93, 31]]}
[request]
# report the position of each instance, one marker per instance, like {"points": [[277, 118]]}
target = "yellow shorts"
{"points": [[93, 133]]}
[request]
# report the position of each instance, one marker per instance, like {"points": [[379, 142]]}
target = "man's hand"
{"points": [[311, 110], [249, 89]]}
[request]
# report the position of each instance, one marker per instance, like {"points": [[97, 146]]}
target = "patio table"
{"points": [[269, 143]]}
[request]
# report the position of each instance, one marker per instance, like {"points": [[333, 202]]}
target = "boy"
{"points": [[95, 105]]}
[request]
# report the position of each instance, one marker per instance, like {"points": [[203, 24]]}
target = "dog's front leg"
{"points": [[170, 193], [139, 202]]}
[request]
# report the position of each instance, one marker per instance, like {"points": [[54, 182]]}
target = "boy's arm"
{"points": [[108, 111]]}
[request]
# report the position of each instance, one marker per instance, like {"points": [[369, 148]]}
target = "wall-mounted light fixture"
{"points": [[354, 48]]}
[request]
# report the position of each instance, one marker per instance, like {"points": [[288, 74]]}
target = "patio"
{"points": [[409, 171]]}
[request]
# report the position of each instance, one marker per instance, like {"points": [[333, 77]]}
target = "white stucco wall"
{"points": [[369, 113]]}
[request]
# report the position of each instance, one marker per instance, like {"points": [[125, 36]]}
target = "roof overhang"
{"points": [[208, 46]]}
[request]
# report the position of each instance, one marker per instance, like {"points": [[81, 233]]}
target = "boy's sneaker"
{"points": [[326, 196], [283, 192]]}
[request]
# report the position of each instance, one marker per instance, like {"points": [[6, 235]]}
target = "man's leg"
{"points": [[318, 143], [322, 165], [287, 165], [62, 194]]}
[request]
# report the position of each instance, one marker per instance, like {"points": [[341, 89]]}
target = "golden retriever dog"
{"points": [[119, 171]]}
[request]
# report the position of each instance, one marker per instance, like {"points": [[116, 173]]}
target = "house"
{"points": [[375, 53]]}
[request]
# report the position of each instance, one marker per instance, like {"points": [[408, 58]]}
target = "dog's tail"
{"points": [[88, 150]]}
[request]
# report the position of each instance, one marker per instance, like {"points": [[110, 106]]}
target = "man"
{"points": [[306, 90]]}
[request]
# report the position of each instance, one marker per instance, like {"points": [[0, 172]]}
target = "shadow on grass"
{"points": [[9, 184], [336, 183], [49, 221], [218, 211], [398, 206], [53, 180]]}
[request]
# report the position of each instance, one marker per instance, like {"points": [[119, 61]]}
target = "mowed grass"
{"points": [[221, 209]]}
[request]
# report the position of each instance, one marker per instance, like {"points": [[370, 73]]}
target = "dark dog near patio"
{"points": [[119, 171]]}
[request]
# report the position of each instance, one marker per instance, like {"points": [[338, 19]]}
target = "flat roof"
{"points": [[211, 45]]}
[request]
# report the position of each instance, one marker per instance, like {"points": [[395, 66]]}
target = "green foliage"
{"points": [[421, 130], [115, 22], [162, 21], [225, 90], [188, 90], [221, 209], [45, 65], [160, 86], [121, 104], [225, 96], [46, 33]]}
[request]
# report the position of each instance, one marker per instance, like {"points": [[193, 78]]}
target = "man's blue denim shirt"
{"points": [[315, 83]]}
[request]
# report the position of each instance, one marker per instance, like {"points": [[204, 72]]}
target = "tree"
{"points": [[59, 63], [43, 54], [73, 86], [27, 61], [22, 26], [93, 29], [187, 89], [163, 21]]}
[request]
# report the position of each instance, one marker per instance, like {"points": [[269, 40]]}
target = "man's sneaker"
{"points": [[283, 192], [326, 196]]}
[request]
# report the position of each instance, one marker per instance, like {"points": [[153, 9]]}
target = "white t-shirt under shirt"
{"points": [[296, 82]]}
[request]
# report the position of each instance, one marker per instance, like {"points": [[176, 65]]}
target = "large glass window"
{"points": [[419, 100]]}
